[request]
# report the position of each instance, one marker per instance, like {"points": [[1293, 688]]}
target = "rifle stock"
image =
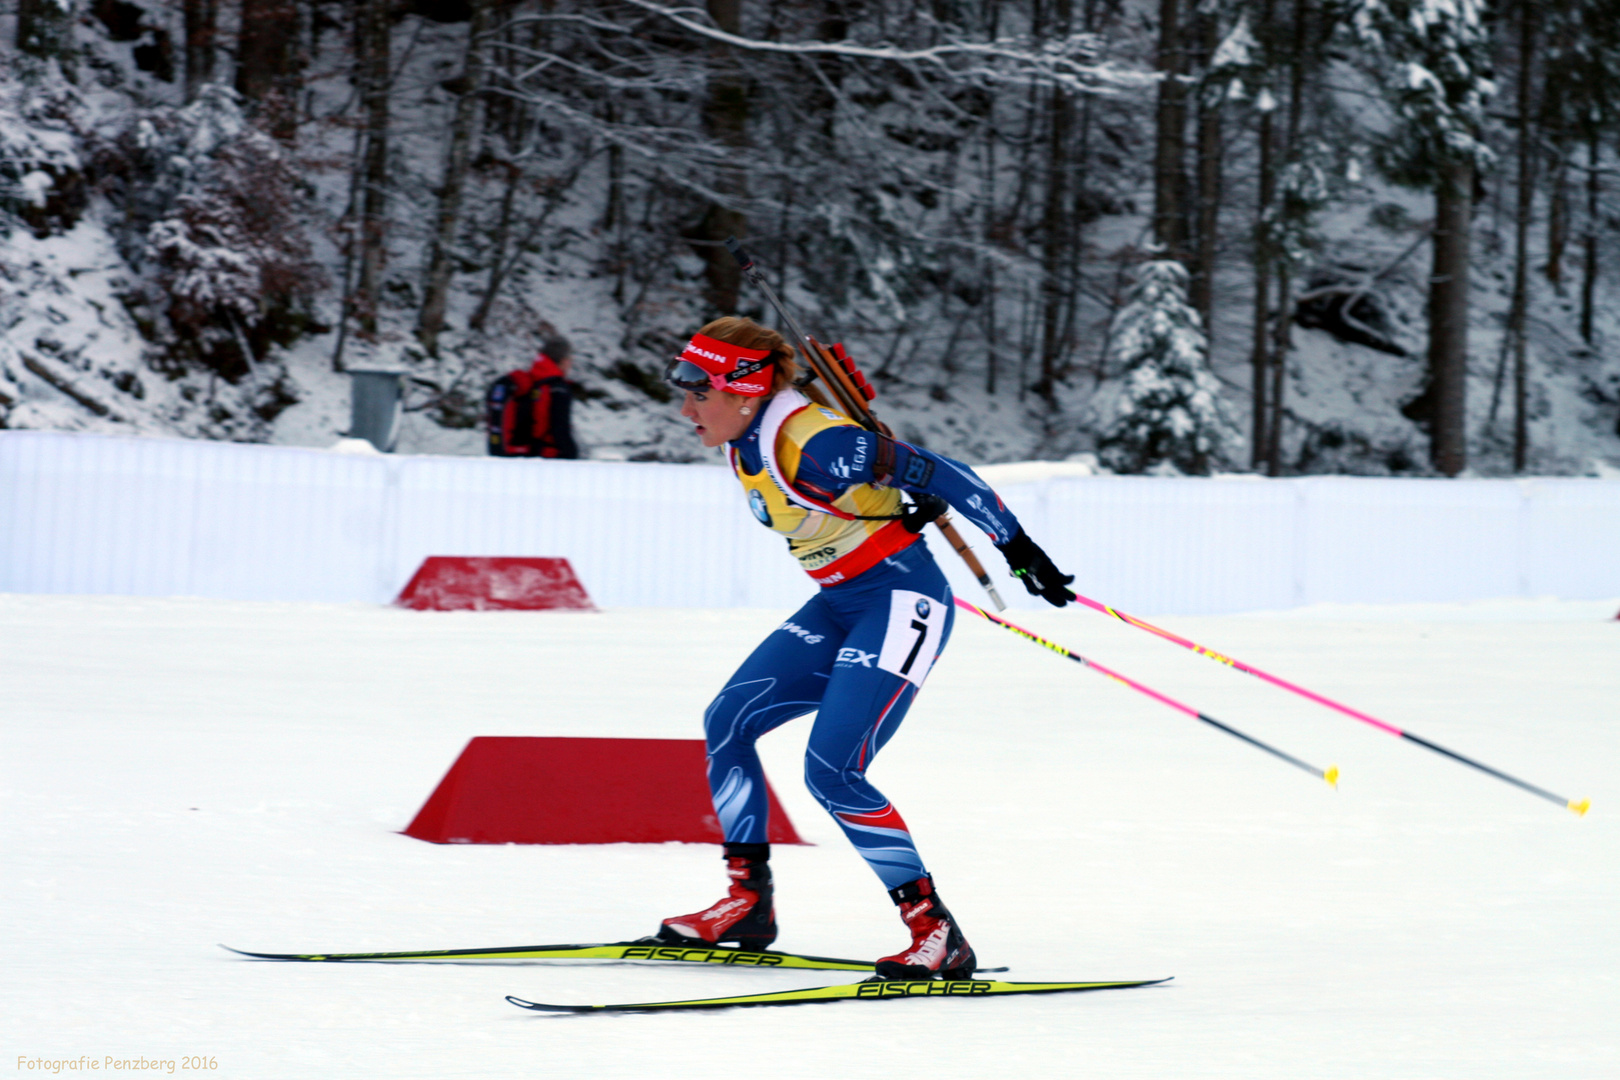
{"points": [[843, 388]]}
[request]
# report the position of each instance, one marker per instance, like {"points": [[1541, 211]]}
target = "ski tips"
{"points": [[240, 952], [1332, 777], [540, 1006], [1580, 806], [524, 1004]]}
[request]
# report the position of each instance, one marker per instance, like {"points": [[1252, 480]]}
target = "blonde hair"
{"points": [[739, 330]]}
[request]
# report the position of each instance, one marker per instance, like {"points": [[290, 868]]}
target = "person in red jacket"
{"points": [[529, 411]]}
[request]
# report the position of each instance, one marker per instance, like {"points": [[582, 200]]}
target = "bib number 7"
{"points": [[912, 640]]}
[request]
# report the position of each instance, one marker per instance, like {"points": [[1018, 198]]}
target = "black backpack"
{"points": [[518, 415]]}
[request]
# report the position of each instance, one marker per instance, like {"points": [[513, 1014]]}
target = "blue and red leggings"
{"points": [[855, 654]]}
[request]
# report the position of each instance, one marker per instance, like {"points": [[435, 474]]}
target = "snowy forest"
{"points": [[1372, 237]]}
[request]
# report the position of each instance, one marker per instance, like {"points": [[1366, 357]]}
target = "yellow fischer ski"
{"points": [[871, 990], [630, 951]]}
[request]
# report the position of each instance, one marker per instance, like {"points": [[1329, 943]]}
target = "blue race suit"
{"points": [[856, 653]]}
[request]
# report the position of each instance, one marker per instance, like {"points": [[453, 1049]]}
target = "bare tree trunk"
{"points": [[1519, 305], [991, 341], [267, 63], [1260, 353], [1589, 275], [613, 211], [614, 223], [1281, 343], [992, 21], [202, 25], [436, 290], [351, 247], [501, 240], [1285, 271], [374, 38], [1170, 145], [1209, 182], [1557, 223], [1448, 320], [510, 120], [1055, 253], [1027, 142], [725, 119], [45, 30], [1085, 209]]}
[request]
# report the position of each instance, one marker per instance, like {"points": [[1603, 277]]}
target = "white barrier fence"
{"points": [[154, 517]]}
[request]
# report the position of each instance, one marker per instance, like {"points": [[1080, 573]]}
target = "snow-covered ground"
{"points": [[176, 773]]}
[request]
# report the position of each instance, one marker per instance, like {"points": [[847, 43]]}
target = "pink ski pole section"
{"points": [[1055, 647], [1330, 775], [1240, 666]]}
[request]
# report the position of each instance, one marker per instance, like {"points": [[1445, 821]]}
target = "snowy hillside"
{"points": [[180, 773], [92, 170]]}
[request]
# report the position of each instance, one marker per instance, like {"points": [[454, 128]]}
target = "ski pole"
{"points": [[1579, 807], [1330, 774], [837, 371]]}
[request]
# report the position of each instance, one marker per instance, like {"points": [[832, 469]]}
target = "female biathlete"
{"points": [[857, 653]]}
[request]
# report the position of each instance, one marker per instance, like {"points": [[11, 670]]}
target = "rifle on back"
{"points": [[853, 396]]}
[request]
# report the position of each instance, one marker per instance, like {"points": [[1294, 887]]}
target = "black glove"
{"points": [[923, 509], [1030, 565]]}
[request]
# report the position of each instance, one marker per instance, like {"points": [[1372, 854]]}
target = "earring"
{"points": [[745, 410]]}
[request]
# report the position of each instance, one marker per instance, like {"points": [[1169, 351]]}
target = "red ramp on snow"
{"points": [[529, 790], [473, 583]]}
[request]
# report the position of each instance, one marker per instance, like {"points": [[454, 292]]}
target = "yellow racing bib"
{"points": [[831, 541]]}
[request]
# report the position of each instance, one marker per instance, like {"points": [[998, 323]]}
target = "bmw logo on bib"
{"points": [[756, 503], [923, 608]]}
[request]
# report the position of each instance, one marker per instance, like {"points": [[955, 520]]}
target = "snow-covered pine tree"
{"points": [[215, 206], [45, 30], [1432, 60], [1581, 108], [1165, 406]]}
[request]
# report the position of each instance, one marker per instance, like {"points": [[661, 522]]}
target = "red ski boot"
{"points": [[746, 915], [938, 948]]}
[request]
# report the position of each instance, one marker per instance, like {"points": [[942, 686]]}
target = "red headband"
{"points": [[725, 359]]}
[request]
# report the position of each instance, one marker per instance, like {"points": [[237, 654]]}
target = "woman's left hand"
{"points": [[1036, 570]]}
